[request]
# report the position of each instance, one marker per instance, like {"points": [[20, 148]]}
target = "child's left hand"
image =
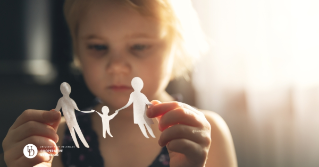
{"points": [[185, 132]]}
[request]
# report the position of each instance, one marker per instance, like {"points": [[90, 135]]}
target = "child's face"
{"points": [[116, 44]]}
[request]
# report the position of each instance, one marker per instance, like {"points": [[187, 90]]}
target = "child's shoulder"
{"points": [[213, 118], [221, 140], [218, 125]]}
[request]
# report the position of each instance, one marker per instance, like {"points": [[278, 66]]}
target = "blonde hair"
{"points": [[179, 17]]}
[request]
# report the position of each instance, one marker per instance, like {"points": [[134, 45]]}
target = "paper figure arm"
{"points": [[58, 106], [76, 107], [99, 114], [88, 111], [130, 101], [147, 102], [113, 115]]}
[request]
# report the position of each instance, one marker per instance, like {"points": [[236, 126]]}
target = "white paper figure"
{"points": [[106, 120], [68, 105], [139, 101]]}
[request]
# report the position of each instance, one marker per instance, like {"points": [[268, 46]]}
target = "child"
{"points": [[115, 41], [106, 120]]}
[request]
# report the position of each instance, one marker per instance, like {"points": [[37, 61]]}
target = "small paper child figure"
{"points": [[106, 120], [139, 107], [68, 105]]}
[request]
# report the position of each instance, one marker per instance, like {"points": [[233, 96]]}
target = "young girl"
{"points": [[115, 41]]}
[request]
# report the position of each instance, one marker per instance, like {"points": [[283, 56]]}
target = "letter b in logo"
{"points": [[30, 151]]}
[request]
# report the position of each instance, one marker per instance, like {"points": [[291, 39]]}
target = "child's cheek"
{"points": [[155, 78]]}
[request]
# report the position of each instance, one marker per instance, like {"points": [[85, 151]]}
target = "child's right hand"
{"points": [[36, 127]]}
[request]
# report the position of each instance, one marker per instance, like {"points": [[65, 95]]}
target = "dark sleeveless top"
{"points": [[91, 157]]}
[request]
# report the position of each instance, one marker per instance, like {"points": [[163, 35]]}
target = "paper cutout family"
{"points": [[138, 99]]}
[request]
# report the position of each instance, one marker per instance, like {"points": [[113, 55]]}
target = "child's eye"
{"points": [[140, 50], [140, 47], [98, 47]]}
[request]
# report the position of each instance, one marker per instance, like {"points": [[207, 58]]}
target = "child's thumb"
{"points": [[154, 102]]}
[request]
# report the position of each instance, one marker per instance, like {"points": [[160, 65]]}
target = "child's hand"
{"points": [[185, 132], [149, 104], [31, 127]]}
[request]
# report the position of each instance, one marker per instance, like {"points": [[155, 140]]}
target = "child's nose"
{"points": [[118, 64]]}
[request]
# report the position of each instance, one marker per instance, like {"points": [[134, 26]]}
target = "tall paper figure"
{"points": [[68, 105], [139, 107], [106, 120]]}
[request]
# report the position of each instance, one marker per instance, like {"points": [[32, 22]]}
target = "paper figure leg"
{"points": [[74, 137], [108, 131], [103, 132], [79, 132], [142, 127], [150, 130]]}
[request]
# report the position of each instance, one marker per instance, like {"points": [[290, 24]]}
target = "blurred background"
{"points": [[261, 73]]}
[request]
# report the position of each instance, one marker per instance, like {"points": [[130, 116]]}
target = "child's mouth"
{"points": [[120, 88]]}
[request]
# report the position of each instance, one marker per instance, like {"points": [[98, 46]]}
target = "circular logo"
{"points": [[30, 151]]}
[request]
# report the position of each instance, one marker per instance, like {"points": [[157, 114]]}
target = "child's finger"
{"points": [[160, 109], [56, 123], [181, 116], [194, 153], [180, 131], [33, 128], [155, 102], [40, 158], [41, 116], [43, 159]]}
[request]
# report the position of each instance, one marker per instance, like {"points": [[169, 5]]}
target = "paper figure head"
{"points": [[137, 83], [65, 88], [105, 110]]}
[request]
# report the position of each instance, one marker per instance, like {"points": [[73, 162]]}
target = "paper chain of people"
{"points": [[138, 99]]}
